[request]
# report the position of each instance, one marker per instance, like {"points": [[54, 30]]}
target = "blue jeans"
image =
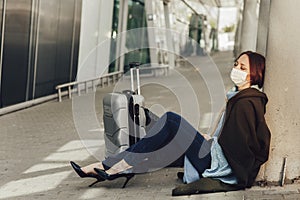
{"points": [[167, 142]]}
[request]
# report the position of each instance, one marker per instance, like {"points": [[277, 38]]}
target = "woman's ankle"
{"points": [[90, 168], [118, 167]]}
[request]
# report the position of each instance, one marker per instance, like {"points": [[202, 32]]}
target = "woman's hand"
{"points": [[206, 136]]}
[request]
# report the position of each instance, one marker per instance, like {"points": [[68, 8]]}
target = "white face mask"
{"points": [[238, 77]]}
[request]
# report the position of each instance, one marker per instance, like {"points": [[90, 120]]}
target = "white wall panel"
{"points": [[94, 50]]}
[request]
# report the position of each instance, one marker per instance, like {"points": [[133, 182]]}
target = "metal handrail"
{"points": [[115, 76]]}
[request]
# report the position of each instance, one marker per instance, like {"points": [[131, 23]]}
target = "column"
{"points": [[122, 28], [263, 23], [169, 37], [94, 47], [249, 26], [282, 87], [218, 27], [104, 31], [150, 30], [261, 47], [238, 34]]}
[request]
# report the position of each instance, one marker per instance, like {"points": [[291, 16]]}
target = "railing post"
{"points": [[59, 94], [70, 92], [94, 85], [86, 87], [78, 89]]}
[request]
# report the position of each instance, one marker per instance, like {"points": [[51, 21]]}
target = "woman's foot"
{"points": [[118, 167], [89, 169], [83, 174], [111, 177], [116, 172]]}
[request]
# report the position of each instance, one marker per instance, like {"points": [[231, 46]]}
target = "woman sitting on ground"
{"points": [[233, 156]]}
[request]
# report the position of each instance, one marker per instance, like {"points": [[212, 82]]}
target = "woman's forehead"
{"points": [[244, 58]]}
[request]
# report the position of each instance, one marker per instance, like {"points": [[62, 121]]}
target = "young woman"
{"points": [[239, 146]]}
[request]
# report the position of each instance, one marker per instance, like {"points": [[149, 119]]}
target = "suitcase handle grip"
{"points": [[134, 64], [135, 67]]}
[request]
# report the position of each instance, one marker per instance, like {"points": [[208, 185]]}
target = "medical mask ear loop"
{"points": [[245, 83]]}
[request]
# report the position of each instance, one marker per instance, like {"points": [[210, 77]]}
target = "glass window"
{"points": [[136, 19]]}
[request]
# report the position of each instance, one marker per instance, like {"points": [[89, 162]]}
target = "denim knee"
{"points": [[173, 116]]}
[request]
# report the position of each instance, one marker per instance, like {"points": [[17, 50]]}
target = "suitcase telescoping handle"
{"points": [[134, 66]]}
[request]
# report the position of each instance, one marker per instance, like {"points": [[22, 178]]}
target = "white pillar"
{"points": [[218, 27], [263, 23], [150, 30], [122, 28], [238, 34], [169, 37], [282, 86], [96, 22], [104, 34], [249, 26]]}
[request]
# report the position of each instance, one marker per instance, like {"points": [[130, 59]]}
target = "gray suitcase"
{"points": [[124, 118]]}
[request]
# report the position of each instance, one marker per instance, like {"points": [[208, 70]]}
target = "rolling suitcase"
{"points": [[125, 119]]}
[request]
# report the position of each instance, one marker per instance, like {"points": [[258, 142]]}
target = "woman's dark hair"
{"points": [[257, 67]]}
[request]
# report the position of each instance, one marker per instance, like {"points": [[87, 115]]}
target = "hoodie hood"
{"points": [[257, 98]]}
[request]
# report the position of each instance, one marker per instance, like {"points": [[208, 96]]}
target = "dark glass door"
{"points": [[15, 51], [138, 38]]}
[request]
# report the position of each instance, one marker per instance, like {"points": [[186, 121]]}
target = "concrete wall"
{"points": [[282, 86]]}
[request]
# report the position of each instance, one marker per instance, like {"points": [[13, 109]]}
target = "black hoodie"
{"points": [[245, 137]]}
